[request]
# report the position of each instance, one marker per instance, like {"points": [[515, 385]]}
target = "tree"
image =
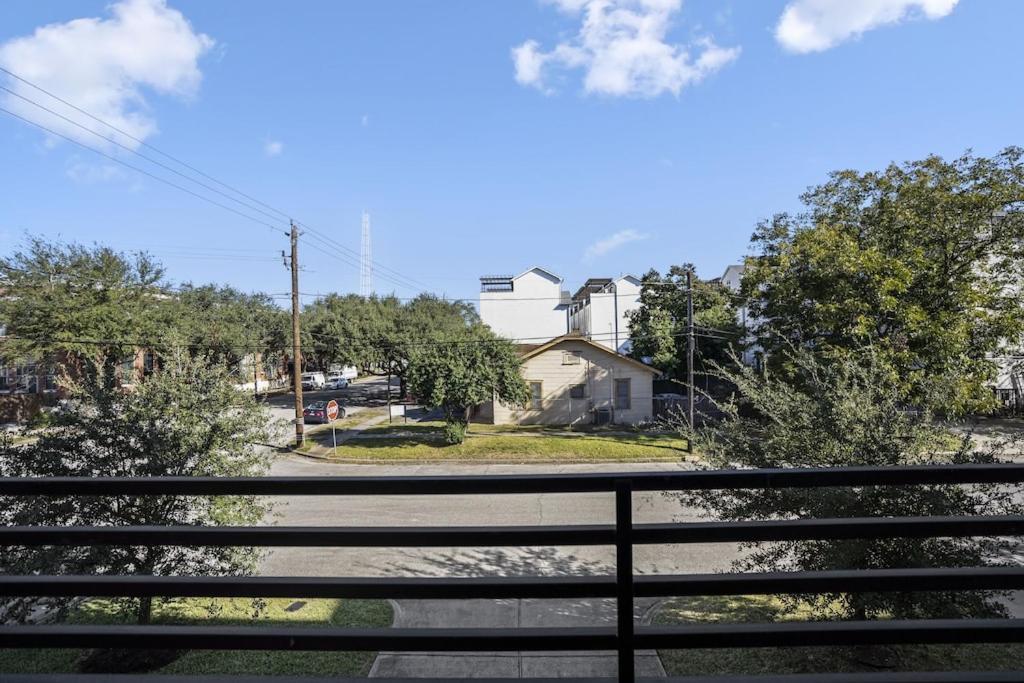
{"points": [[463, 370], [658, 326], [849, 411], [185, 420], [78, 303], [922, 260], [381, 334], [228, 325]]}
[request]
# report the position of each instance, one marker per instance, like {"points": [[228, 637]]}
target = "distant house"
{"points": [[529, 307], [600, 310], [535, 306], [573, 381], [732, 279]]}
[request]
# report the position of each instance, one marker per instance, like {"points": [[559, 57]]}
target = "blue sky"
{"points": [[486, 137]]}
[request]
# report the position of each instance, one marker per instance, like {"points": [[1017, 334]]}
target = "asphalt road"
{"points": [[588, 508], [364, 392], [579, 508]]}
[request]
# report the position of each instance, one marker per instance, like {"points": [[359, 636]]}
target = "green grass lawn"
{"points": [[227, 612], [422, 442], [808, 660]]}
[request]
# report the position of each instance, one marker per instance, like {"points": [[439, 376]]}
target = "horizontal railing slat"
{"points": [[887, 677], [819, 633], [311, 536], [716, 636], [544, 535], [601, 586], [309, 587], [513, 483], [821, 529], [844, 581], [310, 639]]}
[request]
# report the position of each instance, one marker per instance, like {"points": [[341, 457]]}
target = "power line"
{"points": [[141, 142], [142, 171], [139, 154], [135, 139]]}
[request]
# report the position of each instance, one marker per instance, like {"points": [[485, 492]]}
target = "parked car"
{"points": [[313, 380], [336, 382], [316, 413]]}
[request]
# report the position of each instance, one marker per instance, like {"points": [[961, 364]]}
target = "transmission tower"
{"points": [[365, 260]]}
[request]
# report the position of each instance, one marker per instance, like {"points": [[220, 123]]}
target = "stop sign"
{"points": [[332, 410]]}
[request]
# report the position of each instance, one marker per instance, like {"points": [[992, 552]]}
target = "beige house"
{"points": [[577, 381]]}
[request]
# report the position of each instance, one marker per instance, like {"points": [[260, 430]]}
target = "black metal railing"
{"points": [[625, 638]]}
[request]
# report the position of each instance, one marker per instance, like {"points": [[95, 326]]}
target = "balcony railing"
{"points": [[625, 638]]}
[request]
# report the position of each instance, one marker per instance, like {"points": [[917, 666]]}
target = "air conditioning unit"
{"points": [[602, 416]]}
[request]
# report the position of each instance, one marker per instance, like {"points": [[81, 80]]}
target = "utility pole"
{"points": [[689, 355], [296, 340]]}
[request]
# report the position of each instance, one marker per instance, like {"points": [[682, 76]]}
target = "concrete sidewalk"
{"points": [[509, 614]]}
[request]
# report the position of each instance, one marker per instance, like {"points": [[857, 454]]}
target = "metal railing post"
{"points": [[624, 579]]}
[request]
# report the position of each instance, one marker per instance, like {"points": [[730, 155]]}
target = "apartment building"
{"points": [[535, 306]]}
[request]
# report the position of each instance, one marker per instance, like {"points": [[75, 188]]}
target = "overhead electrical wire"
{"points": [[383, 271], [135, 139], [139, 154], [140, 170]]}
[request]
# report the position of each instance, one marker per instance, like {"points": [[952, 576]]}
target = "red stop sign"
{"points": [[332, 410]]}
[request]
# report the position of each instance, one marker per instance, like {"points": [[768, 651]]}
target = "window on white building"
{"points": [[537, 395], [623, 394], [571, 357]]}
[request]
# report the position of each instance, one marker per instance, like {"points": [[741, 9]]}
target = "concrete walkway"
{"points": [[509, 614]]}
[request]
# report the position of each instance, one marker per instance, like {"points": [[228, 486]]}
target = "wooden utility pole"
{"points": [[296, 340], [689, 355]]}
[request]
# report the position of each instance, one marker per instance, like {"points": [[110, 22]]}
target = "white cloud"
{"points": [[621, 46], [365, 121], [273, 147], [612, 242], [102, 65], [816, 25], [88, 173]]}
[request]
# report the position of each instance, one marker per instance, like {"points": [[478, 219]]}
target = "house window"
{"points": [[536, 395], [25, 380], [623, 393], [578, 391], [571, 357]]}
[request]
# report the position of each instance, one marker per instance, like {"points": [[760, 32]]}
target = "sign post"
{"points": [[332, 415]]}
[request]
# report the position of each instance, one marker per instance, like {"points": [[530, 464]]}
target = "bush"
{"points": [[454, 433], [850, 410]]}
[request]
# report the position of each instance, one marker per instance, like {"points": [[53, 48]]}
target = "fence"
{"points": [[625, 638]]}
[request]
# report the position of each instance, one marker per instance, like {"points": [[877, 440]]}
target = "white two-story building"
{"points": [[534, 307]]}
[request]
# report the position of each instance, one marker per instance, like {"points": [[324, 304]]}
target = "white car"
{"points": [[313, 380], [336, 382]]}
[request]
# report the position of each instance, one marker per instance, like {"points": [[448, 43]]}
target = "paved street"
{"points": [[364, 392], [480, 510]]}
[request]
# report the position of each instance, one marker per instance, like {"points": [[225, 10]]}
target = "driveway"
{"points": [[481, 510]]}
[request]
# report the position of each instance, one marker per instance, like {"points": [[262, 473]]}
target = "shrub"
{"points": [[454, 432]]}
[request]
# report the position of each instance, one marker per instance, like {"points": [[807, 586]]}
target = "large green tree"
{"points": [[228, 325], [186, 420], [84, 304], [850, 410], [923, 260], [380, 335], [457, 371], [658, 327]]}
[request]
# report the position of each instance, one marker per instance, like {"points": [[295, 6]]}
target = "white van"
{"points": [[313, 380]]}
